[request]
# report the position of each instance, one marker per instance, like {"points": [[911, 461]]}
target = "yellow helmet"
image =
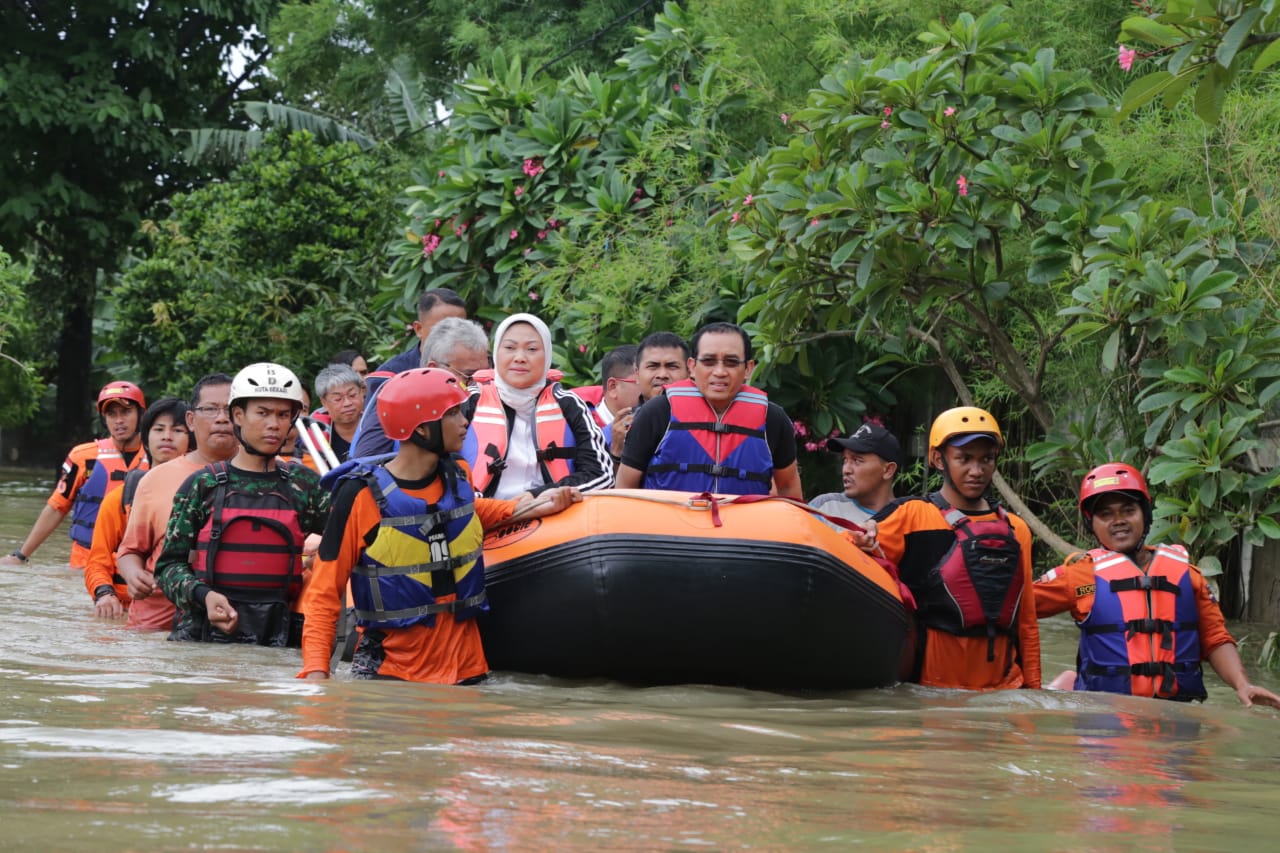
{"points": [[964, 420]]}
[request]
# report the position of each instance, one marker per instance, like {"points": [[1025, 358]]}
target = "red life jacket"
{"points": [[976, 588], [488, 452], [250, 547], [1142, 635]]}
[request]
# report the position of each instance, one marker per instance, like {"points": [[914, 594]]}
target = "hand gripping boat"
{"points": [[656, 587]]}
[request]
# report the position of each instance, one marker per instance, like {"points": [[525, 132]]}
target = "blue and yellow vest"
{"points": [[421, 552]]}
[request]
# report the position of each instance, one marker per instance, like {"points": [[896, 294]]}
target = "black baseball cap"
{"points": [[870, 438]]}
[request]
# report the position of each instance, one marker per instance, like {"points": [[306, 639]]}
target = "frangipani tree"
{"points": [[957, 209]]}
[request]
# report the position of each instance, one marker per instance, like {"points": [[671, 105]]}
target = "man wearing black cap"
{"points": [[872, 456]]}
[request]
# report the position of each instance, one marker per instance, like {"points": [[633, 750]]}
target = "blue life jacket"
{"points": [[106, 472], [705, 452], [420, 553], [1142, 636]]}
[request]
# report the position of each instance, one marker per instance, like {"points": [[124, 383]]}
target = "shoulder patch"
{"points": [[1086, 589]]}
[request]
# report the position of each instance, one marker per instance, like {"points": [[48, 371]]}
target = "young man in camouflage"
{"points": [[232, 556]]}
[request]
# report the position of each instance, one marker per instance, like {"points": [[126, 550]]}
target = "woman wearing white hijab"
{"points": [[527, 434]]}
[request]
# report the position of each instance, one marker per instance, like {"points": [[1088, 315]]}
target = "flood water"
{"points": [[114, 740]]}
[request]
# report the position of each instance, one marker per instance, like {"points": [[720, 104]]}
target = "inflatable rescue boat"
{"points": [[655, 587]]}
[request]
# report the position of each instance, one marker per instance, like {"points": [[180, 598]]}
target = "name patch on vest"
{"points": [[1087, 589]]}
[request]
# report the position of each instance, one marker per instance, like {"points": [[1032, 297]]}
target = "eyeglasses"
{"points": [[730, 362], [212, 412], [465, 375]]}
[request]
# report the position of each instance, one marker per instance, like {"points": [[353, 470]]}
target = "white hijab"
{"points": [[522, 400], [523, 471]]}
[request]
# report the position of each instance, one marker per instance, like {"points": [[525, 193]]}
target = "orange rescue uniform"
{"points": [[108, 531], [447, 653], [1069, 588], [76, 469], [914, 535]]}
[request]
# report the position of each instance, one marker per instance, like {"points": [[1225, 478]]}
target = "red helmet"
{"points": [[1114, 477], [121, 391], [415, 397]]}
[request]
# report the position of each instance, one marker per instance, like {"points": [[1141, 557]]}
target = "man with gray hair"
{"points": [[341, 391], [459, 346]]}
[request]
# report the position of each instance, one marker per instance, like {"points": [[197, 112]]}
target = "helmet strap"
{"points": [[433, 442]]}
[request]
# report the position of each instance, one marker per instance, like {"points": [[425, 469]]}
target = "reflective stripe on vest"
{"points": [[105, 473], [420, 553], [250, 546], [486, 446], [703, 451], [977, 586], [1142, 636]]}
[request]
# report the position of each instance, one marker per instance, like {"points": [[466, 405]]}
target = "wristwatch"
{"points": [[17, 552], [103, 589]]}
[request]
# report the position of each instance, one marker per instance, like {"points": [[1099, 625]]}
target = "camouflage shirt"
{"points": [[193, 505]]}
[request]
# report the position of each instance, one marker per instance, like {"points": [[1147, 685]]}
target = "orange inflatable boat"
{"points": [[657, 587]]}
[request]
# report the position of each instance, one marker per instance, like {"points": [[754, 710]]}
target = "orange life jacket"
{"points": [[486, 446]]}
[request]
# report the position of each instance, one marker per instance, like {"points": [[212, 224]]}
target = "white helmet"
{"points": [[266, 380]]}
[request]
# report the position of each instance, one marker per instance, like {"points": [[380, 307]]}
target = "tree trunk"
{"points": [[75, 359], [1264, 585]]}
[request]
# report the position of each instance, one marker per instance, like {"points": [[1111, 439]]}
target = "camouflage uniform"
{"points": [[191, 509]]}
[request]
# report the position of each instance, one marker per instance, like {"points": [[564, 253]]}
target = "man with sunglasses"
{"points": [[713, 432], [456, 344]]}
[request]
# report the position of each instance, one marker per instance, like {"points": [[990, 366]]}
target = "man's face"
{"points": [[1118, 523], [622, 392], [210, 423], [864, 475], [658, 367], [463, 363], [121, 419], [453, 426], [426, 322], [167, 440], [720, 367], [265, 422], [970, 466], [345, 404]]}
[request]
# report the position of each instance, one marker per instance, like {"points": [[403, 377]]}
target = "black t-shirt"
{"points": [[653, 418]]}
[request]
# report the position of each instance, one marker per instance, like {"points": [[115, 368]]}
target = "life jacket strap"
{"points": [[554, 452], [417, 568], [454, 606], [718, 427], [1145, 583], [715, 470], [429, 520]]}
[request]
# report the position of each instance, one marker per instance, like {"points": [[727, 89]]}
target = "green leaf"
{"points": [[1209, 97], [1269, 527], [1270, 56], [842, 254], [1145, 29], [1236, 35], [1143, 91], [1110, 351]]}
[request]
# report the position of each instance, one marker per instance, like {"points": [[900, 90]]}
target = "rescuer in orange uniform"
{"points": [[1147, 617], [91, 471], [968, 563]]}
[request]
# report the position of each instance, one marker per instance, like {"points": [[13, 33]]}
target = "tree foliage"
{"points": [[280, 263], [92, 93], [957, 208]]}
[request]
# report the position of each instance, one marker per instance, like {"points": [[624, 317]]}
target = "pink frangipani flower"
{"points": [[949, 112], [963, 183], [1127, 56], [533, 295]]}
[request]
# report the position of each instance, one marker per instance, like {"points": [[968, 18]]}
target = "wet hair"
{"points": [[450, 333], [722, 329], [439, 296], [204, 382], [618, 362], [346, 356], [176, 408], [335, 376], [661, 340]]}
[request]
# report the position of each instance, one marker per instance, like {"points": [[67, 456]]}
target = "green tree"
{"points": [[19, 386], [280, 262], [957, 208], [92, 93]]}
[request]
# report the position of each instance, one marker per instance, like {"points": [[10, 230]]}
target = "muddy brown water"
{"points": [[115, 740]]}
